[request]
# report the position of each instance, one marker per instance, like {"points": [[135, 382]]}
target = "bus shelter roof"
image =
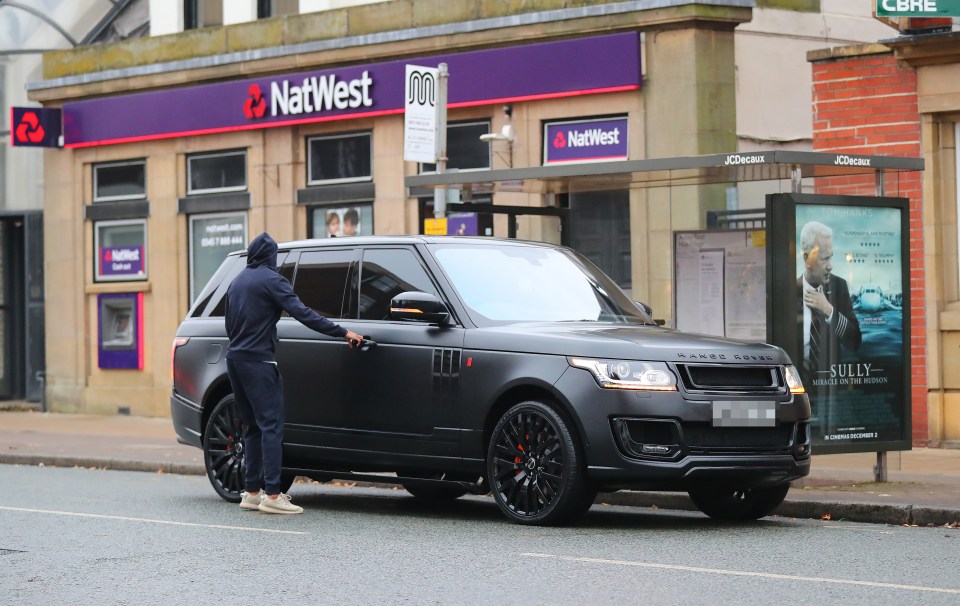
{"points": [[666, 172]]}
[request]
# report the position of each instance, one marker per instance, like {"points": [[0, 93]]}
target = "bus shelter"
{"points": [[758, 246]]}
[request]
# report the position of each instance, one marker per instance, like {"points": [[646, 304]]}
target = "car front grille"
{"points": [[730, 378], [703, 438]]}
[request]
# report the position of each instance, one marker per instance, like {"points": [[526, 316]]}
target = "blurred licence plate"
{"points": [[757, 413]]}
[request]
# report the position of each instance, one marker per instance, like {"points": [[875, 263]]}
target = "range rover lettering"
{"points": [[516, 368]]}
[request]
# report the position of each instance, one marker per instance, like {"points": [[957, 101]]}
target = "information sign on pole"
{"points": [[421, 121]]}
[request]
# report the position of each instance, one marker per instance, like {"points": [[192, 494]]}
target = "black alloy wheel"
{"points": [[535, 467], [223, 450], [739, 504]]}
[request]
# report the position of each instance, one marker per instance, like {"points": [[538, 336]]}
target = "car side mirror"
{"points": [[419, 307], [649, 311]]}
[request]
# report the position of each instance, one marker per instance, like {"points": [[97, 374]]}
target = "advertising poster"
{"points": [[343, 222], [121, 261], [462, 224], [850, 326]]}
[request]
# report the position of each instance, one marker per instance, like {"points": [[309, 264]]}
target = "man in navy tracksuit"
{"points": [[255, 301]]}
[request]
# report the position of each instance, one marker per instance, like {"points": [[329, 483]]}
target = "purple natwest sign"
{"points": [[520, 73], [121, 261], [585, 140]]}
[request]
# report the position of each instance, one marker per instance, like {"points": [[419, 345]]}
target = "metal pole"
{"points": [[880, 469], [796, 180], [440, 193]]}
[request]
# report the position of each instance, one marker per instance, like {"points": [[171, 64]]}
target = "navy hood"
{"points": [[262, 251]]}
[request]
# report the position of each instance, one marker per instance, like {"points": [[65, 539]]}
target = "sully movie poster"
{"points": [[849, 321]]}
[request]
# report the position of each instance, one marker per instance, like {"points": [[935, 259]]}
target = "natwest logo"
{"points": [[312, 94], [255, 106], [590, 137], [320, 94], [29, 130]]}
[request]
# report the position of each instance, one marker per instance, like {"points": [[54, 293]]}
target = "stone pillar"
{"points": [[690, 110]]}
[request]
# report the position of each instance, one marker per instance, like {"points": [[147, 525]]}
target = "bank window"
{"points": [[274, 8], [202, 13], [321, 281], [465, 150], [120, 249], [341, 221], [385, 274], [212, 237], [120, 181], [339, 158], [217, 172]]}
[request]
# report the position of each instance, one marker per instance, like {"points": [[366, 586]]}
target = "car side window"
{"points": [[213, 296], [321, 280], [384, 274]]}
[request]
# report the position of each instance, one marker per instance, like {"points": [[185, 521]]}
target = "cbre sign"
{"points": [[918, 8]]}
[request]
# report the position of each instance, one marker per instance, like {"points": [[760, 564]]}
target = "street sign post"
{"points": [[425, 122]]}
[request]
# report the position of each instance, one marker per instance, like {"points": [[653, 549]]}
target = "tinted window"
{"points": [[219, 296], [120, 181], [217, 172], [216, 288], [339, 158], [465, 150], [385, 273], [321, 280]]}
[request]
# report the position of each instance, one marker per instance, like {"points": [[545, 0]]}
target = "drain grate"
{"points": [[4, 552]]}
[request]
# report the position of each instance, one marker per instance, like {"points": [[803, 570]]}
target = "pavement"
{"points": [[923, 486]]}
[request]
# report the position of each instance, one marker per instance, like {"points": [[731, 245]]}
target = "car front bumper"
{"points": [[650, 440]]}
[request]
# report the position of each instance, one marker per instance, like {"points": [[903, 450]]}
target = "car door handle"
{"points": [[367, 344]]}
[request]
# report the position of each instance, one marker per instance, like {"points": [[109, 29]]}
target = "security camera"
{"points": [[508, 110]]}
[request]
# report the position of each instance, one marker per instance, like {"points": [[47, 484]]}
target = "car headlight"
{"points": [[628, 374], [793, 380]]}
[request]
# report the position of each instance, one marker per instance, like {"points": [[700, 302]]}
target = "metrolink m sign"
{"points": [[918, 8]]}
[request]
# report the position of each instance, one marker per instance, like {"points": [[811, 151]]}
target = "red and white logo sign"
{"points": [[255, 106], [29, 130]]}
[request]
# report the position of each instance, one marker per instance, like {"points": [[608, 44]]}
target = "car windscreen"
{"points": [[515, 283]]}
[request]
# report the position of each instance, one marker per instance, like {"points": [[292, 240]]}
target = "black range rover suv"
{"points": [[500, 366]]}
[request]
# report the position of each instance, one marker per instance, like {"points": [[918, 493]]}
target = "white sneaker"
{"points": [[281, 504], [251, 501]]}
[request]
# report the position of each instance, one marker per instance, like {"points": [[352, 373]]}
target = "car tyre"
{"points": [[739, 504], [223, 451], [535, 466]]}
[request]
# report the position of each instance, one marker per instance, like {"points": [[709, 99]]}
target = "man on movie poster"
{"points": [[850, 320]]}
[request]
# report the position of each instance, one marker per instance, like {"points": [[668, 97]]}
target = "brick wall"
{"points": [[867, 104]]}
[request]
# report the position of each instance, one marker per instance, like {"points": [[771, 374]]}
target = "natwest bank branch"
{"points": [[178, 150]]}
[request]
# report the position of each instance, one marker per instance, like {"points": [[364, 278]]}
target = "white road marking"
{"points": [[147, 520], [741, 573]]}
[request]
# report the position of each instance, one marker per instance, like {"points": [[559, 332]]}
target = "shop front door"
{"points": [[600, 229], [21, 306]]}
